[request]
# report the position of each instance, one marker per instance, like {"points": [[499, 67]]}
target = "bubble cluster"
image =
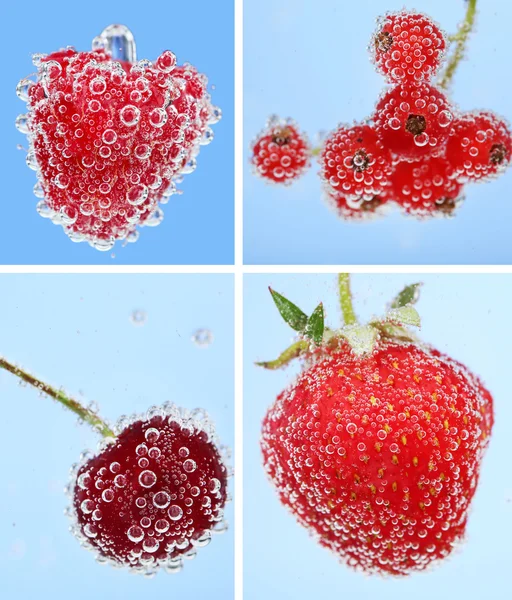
{"points": [[379, 456], [153, 495], [407, 46], [281, 153], [110, 139]]}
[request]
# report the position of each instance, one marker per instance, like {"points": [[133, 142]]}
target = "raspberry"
{"points": [[378, 455], [424, 188], [281, 153], [414, 121], [109, 139], [407, 47], [153, 495], [355, 164], [356, 210], [481, 146]]}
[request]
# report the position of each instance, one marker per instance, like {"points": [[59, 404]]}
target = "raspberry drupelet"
{"points": [[281, 152], [355, 163], [408, 47]]}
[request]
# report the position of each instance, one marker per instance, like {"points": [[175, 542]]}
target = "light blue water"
{"points": [[198, 225], [308, 60], [76, 331], [465, 316]]}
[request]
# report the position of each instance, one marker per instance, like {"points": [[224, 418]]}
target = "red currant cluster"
{"points": [[416, 151]]}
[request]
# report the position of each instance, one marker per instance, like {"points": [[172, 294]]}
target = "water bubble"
{"points": [[137, 194], [142, 151], [161, 499], [138, 317], [214, 485], [135, 534], [175, 512], [120, 481], [147, 479], [145, 522], [183, 452], [109, 136], [202, 337], [166, 61], [84, 480], [140, 502], [90, 530], [162, 525], [129, 115], [31, 160], [189, 466], [23, 88], [351, 428], [152, 435], [22, 123], [158, 117], [87, 506], [150, 545], [108, 495], [98, 85]]}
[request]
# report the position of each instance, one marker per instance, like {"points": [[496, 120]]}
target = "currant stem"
{"points": [[85, 414], [347, 308], [460, 39]]}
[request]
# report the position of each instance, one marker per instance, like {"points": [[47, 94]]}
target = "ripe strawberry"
{"points": [[355, 164], [281, 153], [414, 121], [480, 147], [376, 447], [424, 188], [153, 495], [358, 210], [407, 47], [108, 139]]}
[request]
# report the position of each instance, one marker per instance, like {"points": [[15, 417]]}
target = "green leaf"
{"points": [[292, 314], [409, 295], [405, 315], [362, 339], [315, 325], [294, 351]]}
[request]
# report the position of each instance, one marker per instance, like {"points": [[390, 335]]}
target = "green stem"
{"points": [[460, 39], [85, 414], [347, 308]]}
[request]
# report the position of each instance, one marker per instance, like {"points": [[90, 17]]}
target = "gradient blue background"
{"points": [[75, 331], [198, 225], [465, 316], [308, 60]]}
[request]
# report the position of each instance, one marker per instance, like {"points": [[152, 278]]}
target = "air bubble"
{"points": [[161, 500], [202, 337], [147, 479], [175, 512]]}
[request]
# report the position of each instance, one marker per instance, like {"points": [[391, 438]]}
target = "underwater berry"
{"points": [[407, 47], [378, 455], [108, 139], [414, 121], [425, 188], [281, 153], [355, 163], [480, 147], [357, 210], [153, 495]]}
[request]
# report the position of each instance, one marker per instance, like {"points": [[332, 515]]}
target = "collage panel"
{"points": [[142, 368], [377, 133], [125, 120], [375, 448]]}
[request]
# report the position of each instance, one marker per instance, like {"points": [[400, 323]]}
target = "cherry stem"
{"points": [[460, 39], [347, 307], [87, 415]]}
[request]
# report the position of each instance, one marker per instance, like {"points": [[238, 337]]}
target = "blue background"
{"points": [[75, 331], [308, 60], [198, 225], [465, 316]]}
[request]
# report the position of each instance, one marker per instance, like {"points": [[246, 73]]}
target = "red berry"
{"points": [[356, 210], [425, 187], [379, 455], [281, 153], [408, 47], [414, 121], [154, 495], [480, 147], [108, 139], [355, 163]]}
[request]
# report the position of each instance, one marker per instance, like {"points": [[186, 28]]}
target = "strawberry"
{"points": [[153, 495], [376, 447], [109, 138]]}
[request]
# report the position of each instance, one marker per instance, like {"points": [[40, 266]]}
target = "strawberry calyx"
{"points": [[313, 335]]}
